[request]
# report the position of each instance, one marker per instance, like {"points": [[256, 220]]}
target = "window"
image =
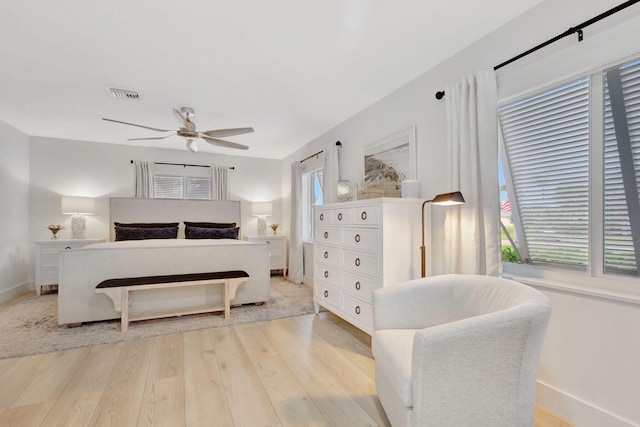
{"points": [[312, 196], [571, 167], [178, 182]]}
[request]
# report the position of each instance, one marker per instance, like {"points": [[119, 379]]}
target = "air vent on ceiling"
{"points": [[124, 94]]}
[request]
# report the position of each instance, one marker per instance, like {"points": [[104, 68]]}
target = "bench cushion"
{"points": [[152, 280]]}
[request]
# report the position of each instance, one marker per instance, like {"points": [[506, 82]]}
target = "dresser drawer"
{"points": [[328, 235], [361, 238], [329, 274], [327, 255], [359, 286], [321, 217], [360, 311], [366, 215], [360, 263], [341, 216], [327, 293]]}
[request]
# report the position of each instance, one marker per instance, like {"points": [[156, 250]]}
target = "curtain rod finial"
{"points": [[338, 144], [439, 94]]}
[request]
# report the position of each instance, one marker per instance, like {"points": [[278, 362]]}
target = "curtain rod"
{"points": [[338, 144], [185, 165], [577, 29]]}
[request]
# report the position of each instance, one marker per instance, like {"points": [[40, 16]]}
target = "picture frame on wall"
{"points": [[391, 159]]}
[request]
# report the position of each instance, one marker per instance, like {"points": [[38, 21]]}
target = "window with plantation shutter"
{"points": [[198, 188], [546, 140], [621, 168]]}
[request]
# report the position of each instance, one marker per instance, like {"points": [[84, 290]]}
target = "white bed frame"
{"points": [[82, 269]]}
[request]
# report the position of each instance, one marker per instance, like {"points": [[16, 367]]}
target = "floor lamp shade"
{"points": [[78, 207], [262, 210], [445, 199]]}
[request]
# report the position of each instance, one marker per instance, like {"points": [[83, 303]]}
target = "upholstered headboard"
{"points": [[128, 210]]}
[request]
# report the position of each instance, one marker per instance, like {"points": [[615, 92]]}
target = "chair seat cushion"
{"points": [[392, 350]]}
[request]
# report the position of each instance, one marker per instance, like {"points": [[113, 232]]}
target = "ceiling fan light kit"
{"points": [[188, 131]]}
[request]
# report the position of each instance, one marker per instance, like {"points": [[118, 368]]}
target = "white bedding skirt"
{"points": [[82, 269]]}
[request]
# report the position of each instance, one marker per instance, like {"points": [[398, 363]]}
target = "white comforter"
{"points": [[82, 269]]}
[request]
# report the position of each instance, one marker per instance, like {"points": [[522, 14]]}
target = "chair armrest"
{"points": [[488, 361], [411, 305]]}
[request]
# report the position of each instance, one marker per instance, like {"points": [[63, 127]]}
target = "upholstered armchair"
{"points": [[458, 350]]}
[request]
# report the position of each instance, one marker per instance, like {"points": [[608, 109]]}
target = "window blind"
{"points": [[619, 255], [168, 187], [198, 188], [547, 146]]}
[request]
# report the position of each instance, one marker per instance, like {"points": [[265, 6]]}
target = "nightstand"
{"points": [[277, 250], [47, 258]]}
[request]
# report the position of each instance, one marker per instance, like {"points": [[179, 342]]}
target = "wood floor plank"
{"points": [[163, 403], [168, 357], [248, 401], [25, 416], [120, 402], [205, 396], [18, 377], [47, 388], [79, 399], [333, 400]]}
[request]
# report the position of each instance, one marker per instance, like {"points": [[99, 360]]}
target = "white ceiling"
{"points": [[292, 69]]}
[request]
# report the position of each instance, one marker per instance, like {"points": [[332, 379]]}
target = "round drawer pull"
{"points": [[268, 242], [340, 216], [357, 286], [357, 238], [326, 254], [68, 247], [326, 274], [363, 215], [357, 262], [321, 217], [357, 309], [326, 234], [326, 294]]}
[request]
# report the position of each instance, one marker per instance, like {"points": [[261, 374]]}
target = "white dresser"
{"points": [[277, 250], [47, 259], [360, 246]]}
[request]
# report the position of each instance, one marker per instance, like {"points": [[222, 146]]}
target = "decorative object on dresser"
{"points": [[55, 228], [445, 199], [277, 250], [78, 207], [47, 259], [274, 227], [262, 210], [360, 246]]}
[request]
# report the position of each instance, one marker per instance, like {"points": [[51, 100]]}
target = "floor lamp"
{"points": [[446, 199]]}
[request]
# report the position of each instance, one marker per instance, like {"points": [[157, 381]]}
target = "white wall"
{"points": [[14, 212], [77, 168], [582, 375]]}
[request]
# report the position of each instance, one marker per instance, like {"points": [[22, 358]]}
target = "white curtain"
{"points": [[295, 236], [220, 187], [472, 230], [331, 174], [142, 180]]}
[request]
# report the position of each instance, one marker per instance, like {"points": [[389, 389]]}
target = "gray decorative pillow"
{"points": [[211, 233], [143, 233], [210, 224]]}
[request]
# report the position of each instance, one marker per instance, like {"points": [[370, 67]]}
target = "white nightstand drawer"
{"points": [[49, 275], [50, 260]]}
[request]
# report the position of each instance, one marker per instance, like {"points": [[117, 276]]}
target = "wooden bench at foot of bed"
{"points": [[118, 290]]}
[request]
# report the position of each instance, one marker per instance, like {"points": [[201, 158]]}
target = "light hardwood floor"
{"points": [[307, 370]]}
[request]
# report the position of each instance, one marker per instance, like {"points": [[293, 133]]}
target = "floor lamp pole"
{"points": [[423, 256]]}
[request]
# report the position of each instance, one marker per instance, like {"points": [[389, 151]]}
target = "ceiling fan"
{"points": [[188, 131]]}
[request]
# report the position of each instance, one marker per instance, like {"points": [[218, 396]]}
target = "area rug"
{"points": [[31, 326]]}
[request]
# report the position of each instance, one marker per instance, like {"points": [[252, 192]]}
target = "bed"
{"points": [[82, 269]]}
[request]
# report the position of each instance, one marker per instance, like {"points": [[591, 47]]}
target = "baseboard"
{"points": [[574, 410], [15, 291]]}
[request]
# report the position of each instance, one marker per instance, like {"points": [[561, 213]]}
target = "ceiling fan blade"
{"points": [[145, 139], [218, 133], [192, 145], [140, 126], [222, 143]]}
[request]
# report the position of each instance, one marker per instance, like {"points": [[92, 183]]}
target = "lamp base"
{"points": [[78, 226], [262, 226]]}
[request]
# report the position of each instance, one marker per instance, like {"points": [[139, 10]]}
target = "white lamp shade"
{"points": [[261, 209], [77, 205]]}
